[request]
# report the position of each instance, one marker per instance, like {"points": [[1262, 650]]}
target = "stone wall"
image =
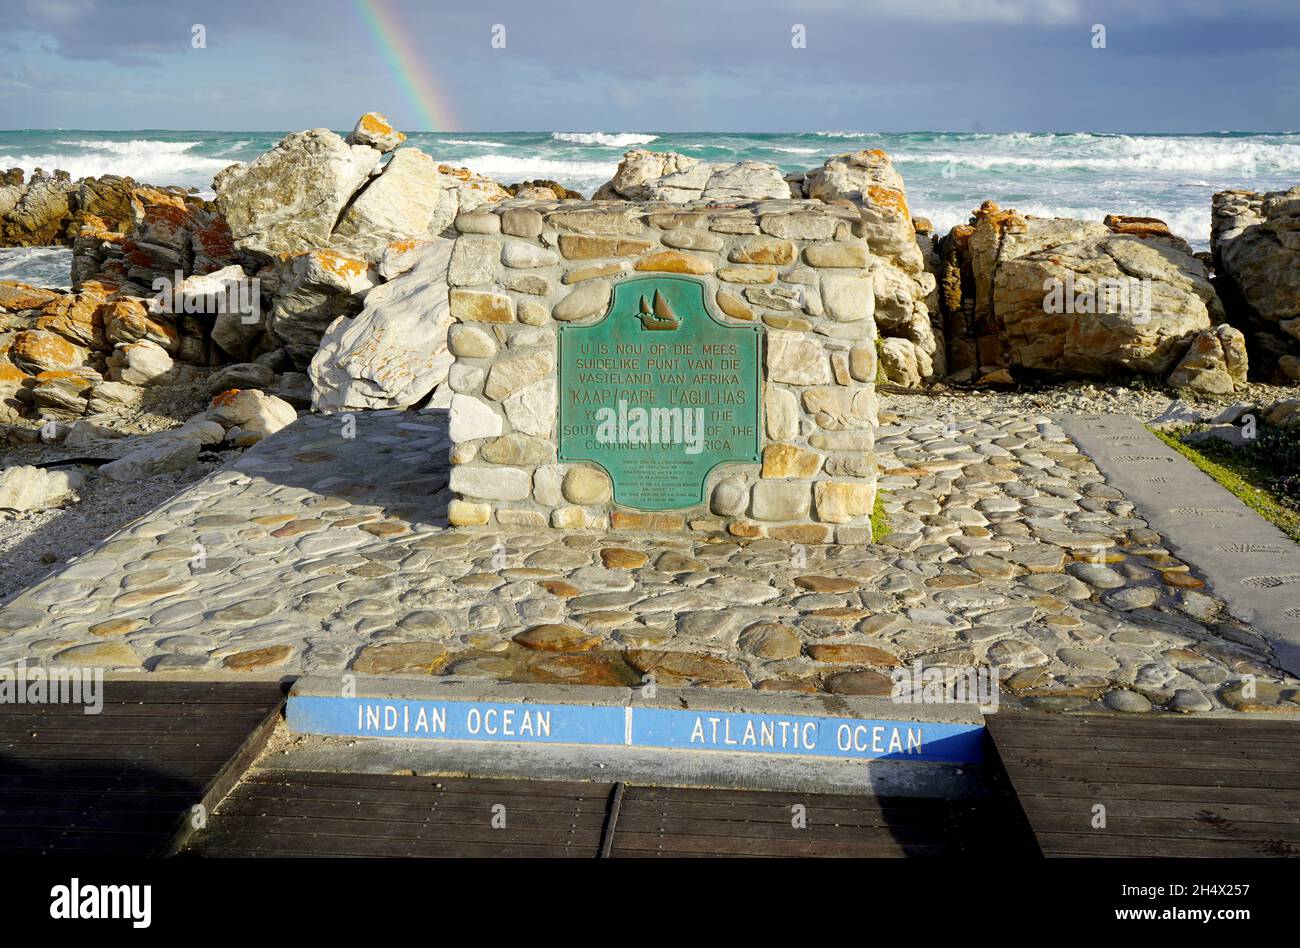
{"points": [[799, 270]]}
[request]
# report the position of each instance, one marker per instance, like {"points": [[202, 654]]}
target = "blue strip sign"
{"points": [[670, 728]]}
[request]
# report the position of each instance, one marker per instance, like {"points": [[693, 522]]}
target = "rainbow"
{"points": [[394, 40]]}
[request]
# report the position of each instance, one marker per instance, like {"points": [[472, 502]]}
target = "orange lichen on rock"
{"points": [[1137, 226], [18, 296], [44, 349], [345, 268], [990, 213], [889, 199], [224, 398]]}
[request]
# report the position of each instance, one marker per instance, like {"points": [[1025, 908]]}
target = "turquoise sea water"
{"points": [[947, 174]]}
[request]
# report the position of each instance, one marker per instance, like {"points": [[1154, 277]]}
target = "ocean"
{"points": [[947, 174]]}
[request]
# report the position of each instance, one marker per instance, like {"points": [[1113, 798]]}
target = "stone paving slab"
{"points": [[324, 550], [1247, 562]]}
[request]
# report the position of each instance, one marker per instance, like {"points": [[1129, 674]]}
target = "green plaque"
{"points": [[659, 393]]}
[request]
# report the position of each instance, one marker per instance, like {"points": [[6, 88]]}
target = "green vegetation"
{"points": [[1262, 474], [879, 519]]}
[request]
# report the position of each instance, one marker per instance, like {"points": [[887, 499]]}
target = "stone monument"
{"points": [[664, 367]]}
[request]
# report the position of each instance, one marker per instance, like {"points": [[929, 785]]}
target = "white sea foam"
{"points": [[479, 143], [601, 138], [1191, 223], [154, 162], [48, 267], [510, 168], [1124, 153]]}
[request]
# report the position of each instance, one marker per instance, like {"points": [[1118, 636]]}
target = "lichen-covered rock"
{"points": [[410, 199], [1215, 363], [373, 129], [314, 289], [667, 176], [1256, 241], [288, 200], [394, 352], [254, 413], [1070, 297], [139, 363]]}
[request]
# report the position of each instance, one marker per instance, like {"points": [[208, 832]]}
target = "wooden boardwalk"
{"points": [[296, 813], [1170, 786], [124, 781]]}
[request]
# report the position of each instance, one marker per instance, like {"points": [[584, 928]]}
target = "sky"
{"points": [[652, 65]]}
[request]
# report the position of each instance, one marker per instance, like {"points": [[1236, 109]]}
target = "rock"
{"points": [[373, 129], [16, 297], [746, 181], [472, 419], [259, 658], [401, 658], [870, 683], [315, 289], [1188, 701], [685, 669], [288, 200], [407, 201], [157, 454], [34, 488], [127, 320], [1071, 297], [899, 359], [256, 414], [241, 375], [655, 176], [868, 179], [1121, 699], [34, 351], [771, 640], [1214, 364], [66, 392], [110, 396], [139, 363], [41, 210], [1179, 414], [587, 299], [557, 638], [1255, 240], [394, 352]]}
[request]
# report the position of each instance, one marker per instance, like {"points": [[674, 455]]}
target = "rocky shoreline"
{"points": [[318, 278]]}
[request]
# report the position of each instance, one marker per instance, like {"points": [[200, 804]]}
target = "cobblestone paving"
{"points": [[315, 552]]}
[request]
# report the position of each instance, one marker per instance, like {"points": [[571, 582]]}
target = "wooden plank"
{"points": [[1046, 787], [1162, 775], [1050, 822], [121, 780], [1157, 747], [1171, 787], [856, 810], [416, 799], [325, 812], [400, 782], [1102, 844], [1117, 806], [224, 780], [1240, 727], [246, 842], [883, 845]]}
